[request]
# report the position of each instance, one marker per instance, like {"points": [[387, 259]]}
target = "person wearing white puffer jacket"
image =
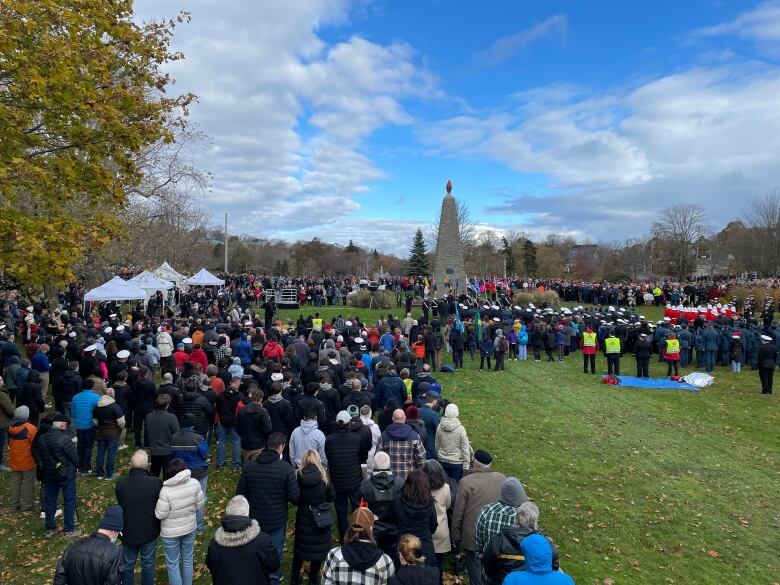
{"points": [[180, 497], [452, 444]]}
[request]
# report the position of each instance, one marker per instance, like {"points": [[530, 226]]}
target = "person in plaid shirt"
{"points": [[358, 561], [402, 443], [494, 517]]}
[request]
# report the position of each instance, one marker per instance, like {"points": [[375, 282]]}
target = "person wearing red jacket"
{"points": [[273, 351], [181, 357], [198, 356], [590, 345]]}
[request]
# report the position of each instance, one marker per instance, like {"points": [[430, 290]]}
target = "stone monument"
{"points": [[448, 266]]}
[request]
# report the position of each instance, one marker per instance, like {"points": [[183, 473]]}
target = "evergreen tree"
{"points": [[351, 248], [529, 256], [418, 261], [511, 263]]}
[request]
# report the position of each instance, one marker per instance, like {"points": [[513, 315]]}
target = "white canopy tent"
{"points": [[116, 289], [166, 272], [151, 283], [204, 278]]}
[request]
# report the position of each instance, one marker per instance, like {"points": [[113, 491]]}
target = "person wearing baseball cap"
{"points": [[96, 559], [358, 560]]}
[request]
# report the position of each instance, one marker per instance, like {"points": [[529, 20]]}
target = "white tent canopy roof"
{"points": [[148, 281], [116, 289], [167, 272], [204, 278]]}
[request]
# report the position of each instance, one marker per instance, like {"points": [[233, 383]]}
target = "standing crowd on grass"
{"points": [[346, 420]]}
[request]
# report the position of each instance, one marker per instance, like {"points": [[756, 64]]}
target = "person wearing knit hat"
{"points": [[96, 559], [481, 487], [452, 444], [496, 516], [21, 435]]}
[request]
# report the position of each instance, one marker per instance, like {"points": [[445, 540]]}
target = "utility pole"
{"points": [[226, 244]]}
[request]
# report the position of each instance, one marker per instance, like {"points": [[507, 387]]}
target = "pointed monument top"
{"points": [[449, 187]]}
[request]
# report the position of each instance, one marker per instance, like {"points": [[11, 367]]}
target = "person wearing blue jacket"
{"points": [[711, 342], [81, 409], [537, 569], [522, 343], [243, 350], [193, 449], [724, 344]]}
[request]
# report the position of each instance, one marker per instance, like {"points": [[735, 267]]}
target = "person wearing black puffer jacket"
{"points": [[312, 543], [194, 402], [269, 484], [346, 451], [254, 426], [380, 491], [240, 552], [67, 387]]}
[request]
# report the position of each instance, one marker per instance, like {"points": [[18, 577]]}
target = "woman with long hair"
{"points": [[312, 542], [442, 500], [413, 570], [416, 513]]}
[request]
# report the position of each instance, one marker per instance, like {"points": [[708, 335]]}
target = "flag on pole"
{"points": [[478, 325], [458, 322]]}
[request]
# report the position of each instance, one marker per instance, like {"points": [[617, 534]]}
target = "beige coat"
{"points": [[452, 442], [442, 499], [474, 491]]}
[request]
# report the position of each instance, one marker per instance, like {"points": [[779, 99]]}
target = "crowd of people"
{"points": [[342, 418], [337, 418]]}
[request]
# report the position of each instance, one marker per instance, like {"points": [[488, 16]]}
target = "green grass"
{"points": [[635, 486]]}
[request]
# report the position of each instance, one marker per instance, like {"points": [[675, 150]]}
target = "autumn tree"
{"points": [[82, 97], [418, 259], [679, 227]]}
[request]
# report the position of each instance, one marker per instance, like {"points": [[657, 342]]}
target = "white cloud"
{"points": [[287, 113], [761, 24], [613, 159], [510, 45]]}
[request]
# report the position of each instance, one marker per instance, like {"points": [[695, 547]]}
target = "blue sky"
{"points": [[344, 119]]}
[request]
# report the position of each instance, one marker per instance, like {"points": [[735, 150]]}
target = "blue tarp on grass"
{"points": [[655, 383]]}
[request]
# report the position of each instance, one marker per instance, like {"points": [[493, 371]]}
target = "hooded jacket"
{"points": [[307, 436], [358, 563], [380, 491], [241, 553], [452, 442], [538, 565], [402, 443], [20, 439], [415, 575], [198, 406], [180, 497], [191, 448], [243, 350], [109, 418], [503, 555], [391, 387]]}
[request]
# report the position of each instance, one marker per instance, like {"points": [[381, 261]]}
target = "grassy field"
{"points": [[635, 486]]}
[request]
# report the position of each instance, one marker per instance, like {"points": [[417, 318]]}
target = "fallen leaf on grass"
{"points": [[714, 554], [608, 581]]}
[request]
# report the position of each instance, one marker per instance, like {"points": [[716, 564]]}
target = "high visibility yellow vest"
{"points": [[672, 346], [589, 339], [612, 344], [316, 324]]}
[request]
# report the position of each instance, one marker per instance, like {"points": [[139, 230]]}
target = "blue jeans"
{"points": [[106, 453], [179, 553], [222, 434], [148, 552], [200, 511], [277, 540], [51, 489]]}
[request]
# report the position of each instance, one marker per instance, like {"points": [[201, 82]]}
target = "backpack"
{"points": [[504, 344]]}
